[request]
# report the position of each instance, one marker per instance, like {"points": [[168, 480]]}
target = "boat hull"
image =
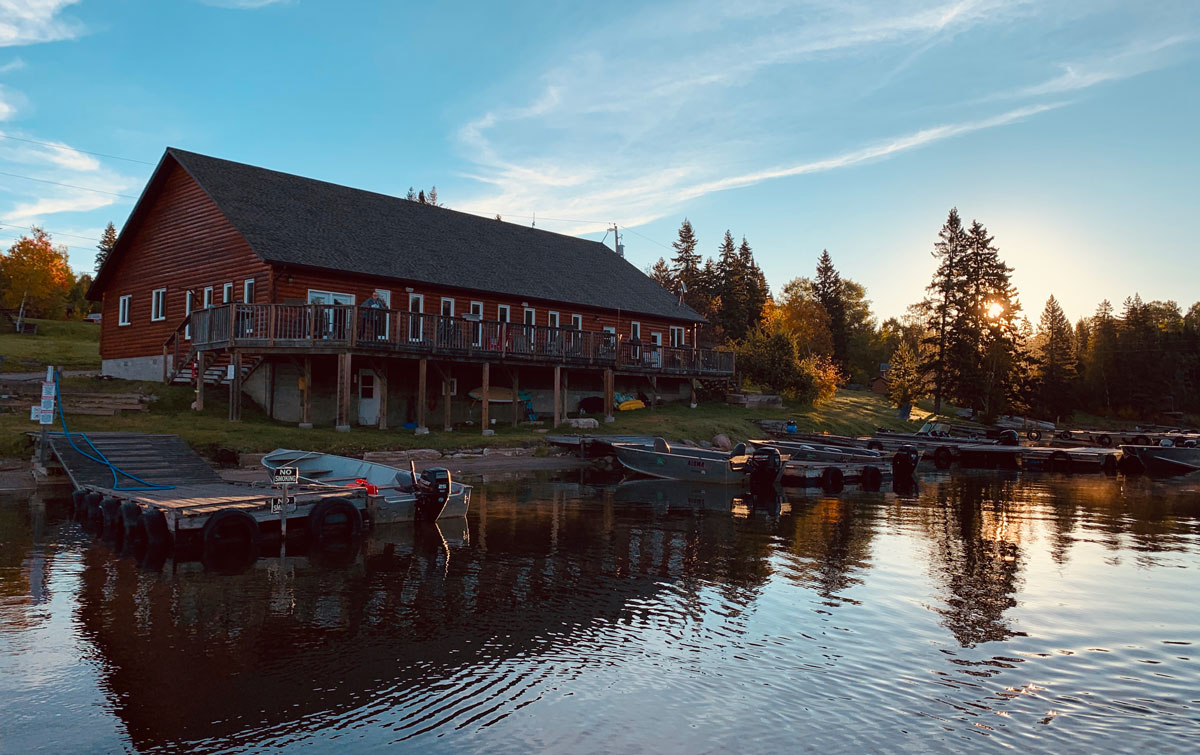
{"points": [[393, 503], [693, 465], [1166, 460]]}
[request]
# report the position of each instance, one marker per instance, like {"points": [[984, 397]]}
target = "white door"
{"points": [[368, 398], [416, 325]]}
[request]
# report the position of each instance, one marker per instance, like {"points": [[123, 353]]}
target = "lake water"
{"points": [[984, 612]]}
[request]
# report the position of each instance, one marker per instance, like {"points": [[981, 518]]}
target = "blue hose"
{"points": [[99, 458]]}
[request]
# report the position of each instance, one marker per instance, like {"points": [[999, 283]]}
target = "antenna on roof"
{"points": [[617, 245], [534, 223]]}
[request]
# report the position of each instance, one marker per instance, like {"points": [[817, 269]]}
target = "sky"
{"points": [[1068, 127]]}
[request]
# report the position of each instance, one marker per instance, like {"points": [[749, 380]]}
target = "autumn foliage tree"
{"points": [[36, 271]]}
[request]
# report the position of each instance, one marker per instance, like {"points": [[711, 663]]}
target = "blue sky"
{"points": [[1069, 128]]}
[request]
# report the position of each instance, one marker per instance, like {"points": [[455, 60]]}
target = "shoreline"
{"points": [[16, 476]]}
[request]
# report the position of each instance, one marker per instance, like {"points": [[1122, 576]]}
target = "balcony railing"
{"points": [[318, 327]]}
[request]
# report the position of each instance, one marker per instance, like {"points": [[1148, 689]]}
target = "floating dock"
{"points": [[182, 502]]}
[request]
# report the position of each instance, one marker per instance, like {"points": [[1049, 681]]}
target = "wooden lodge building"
{"points": [[229, 274]]}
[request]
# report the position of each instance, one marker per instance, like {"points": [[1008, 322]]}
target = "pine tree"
{"points": [[828, 287], [731, 289], [108, 240], [906, 384], [944, 301], [686, 262], [1056, 362], [661, 274], [757, 293], [411, 195], [431, 198]]}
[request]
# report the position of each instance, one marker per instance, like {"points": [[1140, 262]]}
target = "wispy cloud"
{"points": [[707, 96], [244, 4], [16, 64], [26, 22]]}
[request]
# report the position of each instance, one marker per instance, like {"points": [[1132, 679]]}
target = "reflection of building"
{"points": [[194, 655]]}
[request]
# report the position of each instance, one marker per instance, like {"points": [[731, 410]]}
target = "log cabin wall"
{"points": [[292, 286], [183, 242]]}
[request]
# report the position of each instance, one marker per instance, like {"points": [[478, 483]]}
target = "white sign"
{"points": [[47, 404], [278, 504], [285, 476], [35, 413], [48, 390], [47, 417]]}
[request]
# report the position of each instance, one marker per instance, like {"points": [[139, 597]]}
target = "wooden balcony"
{"points": [[322, 328]]}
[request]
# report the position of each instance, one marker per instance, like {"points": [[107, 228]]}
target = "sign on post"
{"points": [[285, 476], [47, 389]]}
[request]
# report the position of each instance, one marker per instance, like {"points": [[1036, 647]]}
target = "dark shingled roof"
{"points": [[292, 220]]}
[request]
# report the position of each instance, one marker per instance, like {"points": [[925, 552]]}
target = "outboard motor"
{"points": [[904, 463], [1009, 438], [763, 466], [433, 493]]}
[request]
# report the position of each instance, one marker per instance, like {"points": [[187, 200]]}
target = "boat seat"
{"points": [[738, 450], [661, 446]]}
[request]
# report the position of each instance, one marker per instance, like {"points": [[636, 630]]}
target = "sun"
{"points": [[994, 310]]}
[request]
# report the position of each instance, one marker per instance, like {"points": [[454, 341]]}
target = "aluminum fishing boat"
{"points": [[817, 452], [393, 495], [1167, 460], [736, 467]]}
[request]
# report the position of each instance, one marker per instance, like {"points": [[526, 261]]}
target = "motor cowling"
{"points": [[432, 492], [763, 466]]}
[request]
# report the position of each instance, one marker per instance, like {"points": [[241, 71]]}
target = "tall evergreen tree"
{"points": [[686, 262], [1056, 362], [108, 240], [945, 297], [731, 289], [661, 274], [828, 287], [757, 292]]}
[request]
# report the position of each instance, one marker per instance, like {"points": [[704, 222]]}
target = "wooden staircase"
{"points": [[216, 372]]}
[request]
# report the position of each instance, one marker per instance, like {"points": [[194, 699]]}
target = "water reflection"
{"points": [[636, 601]]}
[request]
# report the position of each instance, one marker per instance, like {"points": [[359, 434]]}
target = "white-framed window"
{"points": [[656, 338], [447, 307], [208, 291], [552, 319], [610, 329], [248, 291], [530, 316], [678, 336], [158, 304], [635, 330], [502, 312], [227, 293], [577, 322], [476, 328], [453, 386], [187, 310], [123, 307]]}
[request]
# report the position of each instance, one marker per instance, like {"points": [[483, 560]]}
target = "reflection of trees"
{"points": [[25, 559], [977, 555], [832, 540]]}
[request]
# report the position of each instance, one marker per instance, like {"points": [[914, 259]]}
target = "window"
{"points": [[502, 313], [678, 336], [248, 290], [187, 310], [158, 304], [123, 309], [552, 319], [610, 329], [227, 293], [656, 339], [208, 297], [531, 316], [635, 331], [453, 387], [447, 307], [577, 322]]}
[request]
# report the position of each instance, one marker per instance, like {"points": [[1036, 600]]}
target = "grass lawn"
{"points": [[70, 345], [210, 432]]}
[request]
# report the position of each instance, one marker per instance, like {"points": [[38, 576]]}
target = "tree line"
{"points": [[35, 276]]}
